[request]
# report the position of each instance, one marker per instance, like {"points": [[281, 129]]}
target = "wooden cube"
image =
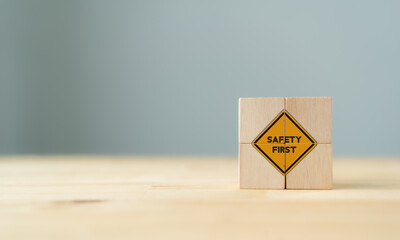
{"points": [[285, 143], [256, 172], [314, 114], [314, 171], [255, 114]]}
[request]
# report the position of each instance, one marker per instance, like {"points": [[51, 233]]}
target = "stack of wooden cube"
{"points": [[272, 156]]}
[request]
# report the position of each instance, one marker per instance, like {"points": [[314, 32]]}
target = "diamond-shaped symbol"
{"points": [[284, 142]]}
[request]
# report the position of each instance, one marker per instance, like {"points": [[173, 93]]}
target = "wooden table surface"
{"points": [[89, 197]]}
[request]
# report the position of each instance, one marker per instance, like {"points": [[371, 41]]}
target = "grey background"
{"points": [[164, 77]]}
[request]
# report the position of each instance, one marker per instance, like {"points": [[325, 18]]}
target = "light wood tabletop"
{"points": [[107, 197]]}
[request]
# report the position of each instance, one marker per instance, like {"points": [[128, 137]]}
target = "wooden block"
{"points": [[314, 171], [256, 171], [314, 114], [285, 143], [255, 114]]}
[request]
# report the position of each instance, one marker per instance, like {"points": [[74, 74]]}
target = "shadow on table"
{"points": [[378, 185]]}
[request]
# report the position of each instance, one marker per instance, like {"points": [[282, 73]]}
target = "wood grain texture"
{"points": [[108, 197], [256, 171], [314, 171], [255, 114], [314, 114]]}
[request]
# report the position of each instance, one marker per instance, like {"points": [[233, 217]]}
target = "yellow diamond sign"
{"points": [[284, 142]]}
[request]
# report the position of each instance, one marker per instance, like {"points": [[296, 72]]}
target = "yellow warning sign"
{"points": [[284, 142]]}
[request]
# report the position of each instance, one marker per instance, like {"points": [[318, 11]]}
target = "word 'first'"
{"points": [[280, 149]]}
